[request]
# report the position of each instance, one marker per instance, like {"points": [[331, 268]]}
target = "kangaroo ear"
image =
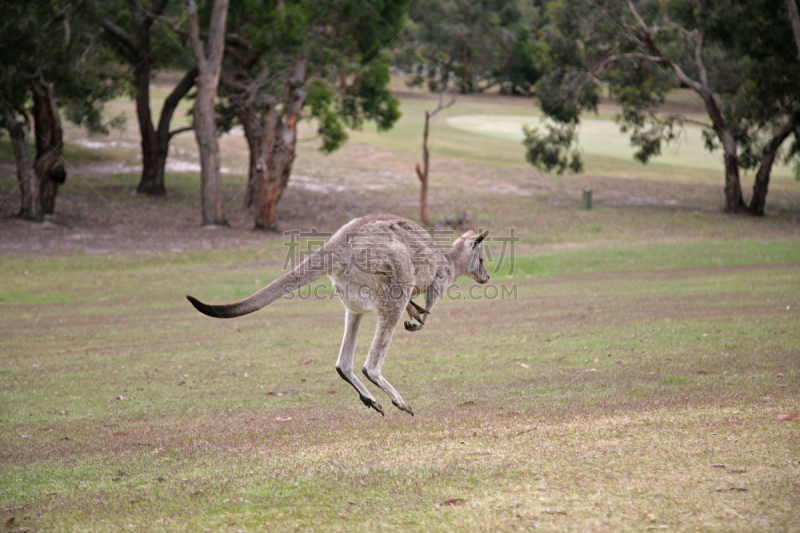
{"points": [[466, 237], [477, 240]]}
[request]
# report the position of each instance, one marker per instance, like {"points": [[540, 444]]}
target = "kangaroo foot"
{"points": [[404, 407], [411, 326], [369, 402]]}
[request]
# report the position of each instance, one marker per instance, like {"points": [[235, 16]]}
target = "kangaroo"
{"points": [[376, 263]]}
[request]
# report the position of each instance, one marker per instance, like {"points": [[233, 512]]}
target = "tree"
{"points": [[128, 29], [49, 142], [738, 56], [49, 59], [317, 55], [526, 61], [209, 67], [423, 171]]}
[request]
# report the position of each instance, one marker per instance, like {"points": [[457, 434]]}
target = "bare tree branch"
{"points": [[698, 61], [650, 44], [194, 31], [180, 130], [216, 42], [601, 68], [230, 38], [442, 105], [784, 131], [171, 102], [683, 119], [794, 20]]}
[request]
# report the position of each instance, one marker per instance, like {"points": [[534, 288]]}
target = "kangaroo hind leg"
{"points": [[374, 363], [344, 365]]}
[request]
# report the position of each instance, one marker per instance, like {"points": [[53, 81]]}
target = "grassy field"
{"points": [[630, 377], [615, 388]]}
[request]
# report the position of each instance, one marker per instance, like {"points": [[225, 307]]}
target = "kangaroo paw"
{"points": [[419, 308], [411, 326], [404, 407], [369, 402]]}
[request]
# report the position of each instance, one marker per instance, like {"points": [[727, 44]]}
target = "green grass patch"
{"points": [[645, 257], [626, 387]]}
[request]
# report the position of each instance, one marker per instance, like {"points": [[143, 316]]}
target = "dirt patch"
{"points": [[103, 221], [96, 212], [105, 218]]}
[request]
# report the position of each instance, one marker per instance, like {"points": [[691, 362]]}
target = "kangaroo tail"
{"points": [[306, 272]]}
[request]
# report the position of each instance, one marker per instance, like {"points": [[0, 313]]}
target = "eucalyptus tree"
{"points": [[739, 56], [141, 32], [49, 60], [323, 58], [208, 56], [472, 45]]}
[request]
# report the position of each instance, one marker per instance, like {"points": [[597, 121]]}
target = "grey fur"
{"points": [[376, 263]]}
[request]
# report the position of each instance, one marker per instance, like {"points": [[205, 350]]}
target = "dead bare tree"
{"points": [[422, 172]]}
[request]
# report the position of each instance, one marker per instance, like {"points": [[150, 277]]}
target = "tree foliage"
{"points": [[56, 40], [471, 45], [738, 56], [50, 60], [322, 58], [554, 149], [340, 42]]}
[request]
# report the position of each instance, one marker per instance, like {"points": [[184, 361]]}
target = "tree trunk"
{"points": [[205, 130], [31, 208], [759, 199], [163, 136], [734, 201], [149, 183], [255, 125], [263, 185], [466, 81], [274, 168], [254, 142], [50, 172], [794, 21], [423, 174], [137, 50], [209, 70]]}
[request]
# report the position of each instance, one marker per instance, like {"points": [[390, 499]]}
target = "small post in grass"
{"points": [[587, 198]]}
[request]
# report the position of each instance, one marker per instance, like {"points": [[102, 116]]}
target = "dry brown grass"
{"points": [[627, 388]]}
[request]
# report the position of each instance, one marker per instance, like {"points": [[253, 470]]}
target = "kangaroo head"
{"points": [[474, 252]]}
